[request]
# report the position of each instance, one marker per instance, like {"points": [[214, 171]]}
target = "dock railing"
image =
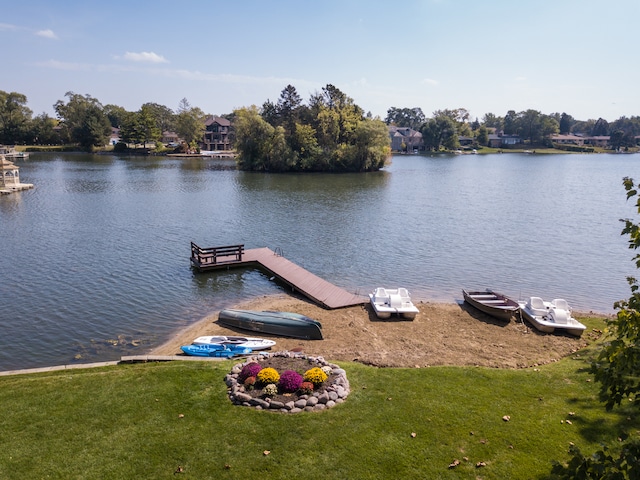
{"points": [[215, 255]]}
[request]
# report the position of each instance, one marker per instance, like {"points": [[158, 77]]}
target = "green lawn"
{"points": [[144, 421]]}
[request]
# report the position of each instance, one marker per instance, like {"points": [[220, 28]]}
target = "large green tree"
{"points": [[405, 117], [440, 131], [42, 130], [329, 134], [189, 123], [140, 127], [565, 123], [163, 116], [14, 117], [84, 120]]}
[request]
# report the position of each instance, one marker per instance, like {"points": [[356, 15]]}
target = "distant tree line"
{"points": [[331, 133], [82, 120], [445, 127]]}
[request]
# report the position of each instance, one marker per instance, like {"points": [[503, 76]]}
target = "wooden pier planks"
{"points": [[320, 291]]}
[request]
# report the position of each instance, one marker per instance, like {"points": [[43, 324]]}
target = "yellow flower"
{"points": [[315, 375], [268, 375]]}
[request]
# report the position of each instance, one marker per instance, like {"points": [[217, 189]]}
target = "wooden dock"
{"points": [[315, 288]]}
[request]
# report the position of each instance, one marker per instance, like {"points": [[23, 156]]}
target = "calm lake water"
{"points": [[95, 259]]}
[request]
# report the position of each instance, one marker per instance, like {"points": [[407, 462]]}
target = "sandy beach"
{"points": [[441, 334]]}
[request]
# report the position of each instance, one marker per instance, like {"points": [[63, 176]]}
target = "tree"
{"points": [[618, 363], [140, 127], [41, 130], [14, 117], [483, 136], [163, 116], [252, 135], [405, 117], [190, 123], [616, 369], [565, 124], [115, 114], [601, 127], [287, 108], [510, 123], [492, 121], [440, 131], [330, 134], [84, 120]]}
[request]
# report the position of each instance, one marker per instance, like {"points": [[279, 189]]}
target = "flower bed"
{"points": [[287, 382]]}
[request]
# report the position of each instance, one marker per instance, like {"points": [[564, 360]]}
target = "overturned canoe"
{"points": [[285, 324]]}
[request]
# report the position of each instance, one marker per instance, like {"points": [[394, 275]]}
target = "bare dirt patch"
{"points": [[441, 334]]}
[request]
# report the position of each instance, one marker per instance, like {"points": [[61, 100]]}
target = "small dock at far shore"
{"points": [[313, 287]]}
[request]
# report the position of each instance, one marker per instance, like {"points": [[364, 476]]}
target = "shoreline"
{"points": [[441, 334]]}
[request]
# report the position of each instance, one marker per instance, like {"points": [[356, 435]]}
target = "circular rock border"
{"points": [[334, 393]]}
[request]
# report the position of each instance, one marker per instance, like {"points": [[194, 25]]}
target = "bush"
{"points": [[249, 370], [290, 381], [315, 375], [268, 375]]}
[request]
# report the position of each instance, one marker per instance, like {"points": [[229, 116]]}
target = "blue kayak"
{"points": [[214, 350]]}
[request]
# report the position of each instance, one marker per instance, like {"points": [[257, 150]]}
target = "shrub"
{"points": [[268, 375], [306, 388], [315, 375], [270, 390], [249, 370], [290, 381]]}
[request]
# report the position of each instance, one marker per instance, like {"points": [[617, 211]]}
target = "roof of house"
{"points": [[219, 120]]}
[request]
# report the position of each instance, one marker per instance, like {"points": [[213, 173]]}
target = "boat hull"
{"points": [[249, 342], [546, 323], [285, 324], [212, 350], [495, 304]]}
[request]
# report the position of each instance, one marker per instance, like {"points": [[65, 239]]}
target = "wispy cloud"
{"points": [[8, 27], [192, 75], [430, 81], [146, 57], [47, 34]]}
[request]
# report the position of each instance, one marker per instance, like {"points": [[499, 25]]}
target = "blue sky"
{"points": [[575, 56]]}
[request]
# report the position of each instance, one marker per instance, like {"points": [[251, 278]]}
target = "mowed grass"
{"points": [[157, 420]]}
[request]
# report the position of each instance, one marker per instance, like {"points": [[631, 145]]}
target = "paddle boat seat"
{"points": [[537, 306], [395, 300], [560, 303], [380, 296], [560, 311]]}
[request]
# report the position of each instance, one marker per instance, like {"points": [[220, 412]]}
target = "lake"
{"points": [[95, 259]]}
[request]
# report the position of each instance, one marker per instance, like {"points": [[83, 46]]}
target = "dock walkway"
{"points": [[315, 288]]}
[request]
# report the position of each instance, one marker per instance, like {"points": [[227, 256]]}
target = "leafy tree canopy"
{"points": [[84, 120], [189, 123], [405, 117], [329, 134], [14, 117]]}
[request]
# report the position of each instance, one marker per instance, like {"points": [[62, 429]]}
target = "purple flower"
{"points": [[249, 370], [290, 381]]}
